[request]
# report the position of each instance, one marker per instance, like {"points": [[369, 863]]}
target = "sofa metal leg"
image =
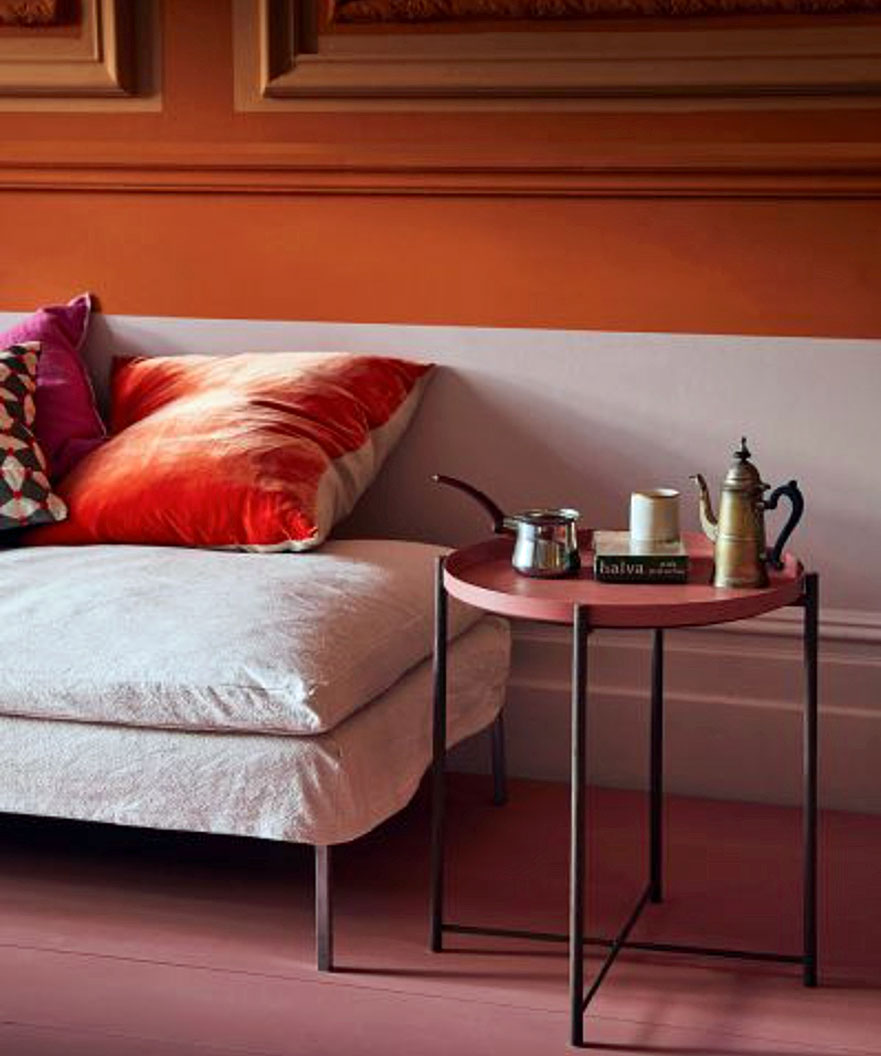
{"points": [[499, 765], [323, 909]]}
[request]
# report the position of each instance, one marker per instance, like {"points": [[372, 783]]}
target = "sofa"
{"points": [[281, 695]]}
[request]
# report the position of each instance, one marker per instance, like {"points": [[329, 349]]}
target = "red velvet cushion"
{"points": [[252, 451]]}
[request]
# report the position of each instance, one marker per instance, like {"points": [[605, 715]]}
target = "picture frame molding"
{"points": [[108, 61], [284, 62]]}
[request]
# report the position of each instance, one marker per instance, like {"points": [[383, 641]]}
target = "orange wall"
{"points": [[776, 265]]}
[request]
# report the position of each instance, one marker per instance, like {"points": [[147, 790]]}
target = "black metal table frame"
{"points": [[808, 601]]}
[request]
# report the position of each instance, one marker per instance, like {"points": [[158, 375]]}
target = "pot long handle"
{"points": [[498, 517], [791, 492]]}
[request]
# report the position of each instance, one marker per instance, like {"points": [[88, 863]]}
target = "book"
{"points": [[617, 559]]}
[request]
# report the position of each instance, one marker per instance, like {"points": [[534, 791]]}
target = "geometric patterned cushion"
{"points": [[25, 494]]}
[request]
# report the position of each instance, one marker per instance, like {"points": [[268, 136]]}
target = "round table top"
{"points": [[482, 575]]}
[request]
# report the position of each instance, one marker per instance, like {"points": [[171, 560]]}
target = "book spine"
{"points": [[640, 570]]}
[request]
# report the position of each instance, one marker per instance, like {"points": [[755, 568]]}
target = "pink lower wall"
{"points": [[583, 417]]}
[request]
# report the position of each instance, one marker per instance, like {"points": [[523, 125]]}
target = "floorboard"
{"points": [[129, 942]]}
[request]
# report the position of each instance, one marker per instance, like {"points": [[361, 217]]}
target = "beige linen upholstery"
{"points": [[324, 789], [206, 640]]}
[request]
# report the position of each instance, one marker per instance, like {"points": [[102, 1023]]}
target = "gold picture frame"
{"points": [[287, 56]]}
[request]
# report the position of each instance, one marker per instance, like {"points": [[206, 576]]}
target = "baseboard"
{"points": [[733, 709]]}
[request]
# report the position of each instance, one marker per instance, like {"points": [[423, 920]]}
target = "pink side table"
{"points": [[482, 575]]}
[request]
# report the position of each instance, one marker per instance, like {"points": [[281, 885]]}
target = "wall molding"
{"points": [[284, 61], [733, 706], [680, 170], [109, 64], [97, 60]]}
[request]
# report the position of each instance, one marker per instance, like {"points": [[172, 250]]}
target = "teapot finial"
{"points": [[744, 454]]}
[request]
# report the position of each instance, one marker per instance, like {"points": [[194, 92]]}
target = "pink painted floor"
{"points": [[117, 942]]}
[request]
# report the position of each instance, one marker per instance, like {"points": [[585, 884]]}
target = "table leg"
{"points": [[656, 797], [811, 648], [578, 778], [438, 760]]}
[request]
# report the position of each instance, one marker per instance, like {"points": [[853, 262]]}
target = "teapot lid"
{"points": [[742, 474]]}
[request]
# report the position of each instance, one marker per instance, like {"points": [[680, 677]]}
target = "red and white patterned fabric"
{"points": [[25, 494], [252, 451]]}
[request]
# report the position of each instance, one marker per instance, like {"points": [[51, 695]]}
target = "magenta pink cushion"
{"points": [[68, 425]]}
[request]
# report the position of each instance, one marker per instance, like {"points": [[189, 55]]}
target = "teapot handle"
{"points": [[791, 492], [501, 524]]}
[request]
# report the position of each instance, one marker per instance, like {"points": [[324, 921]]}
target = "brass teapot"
{"points": [[741, 555]]}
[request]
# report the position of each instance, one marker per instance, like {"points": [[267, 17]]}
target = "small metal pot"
{"points": [[545, 540]]}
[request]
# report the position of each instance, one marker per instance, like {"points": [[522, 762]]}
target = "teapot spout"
{"points": [[708, 518]]}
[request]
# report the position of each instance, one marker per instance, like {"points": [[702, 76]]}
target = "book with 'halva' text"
{"points": [[618, 559]]}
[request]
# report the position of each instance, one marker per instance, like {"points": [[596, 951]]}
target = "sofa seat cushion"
{"points": [[168, 637], [324, 789]]}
